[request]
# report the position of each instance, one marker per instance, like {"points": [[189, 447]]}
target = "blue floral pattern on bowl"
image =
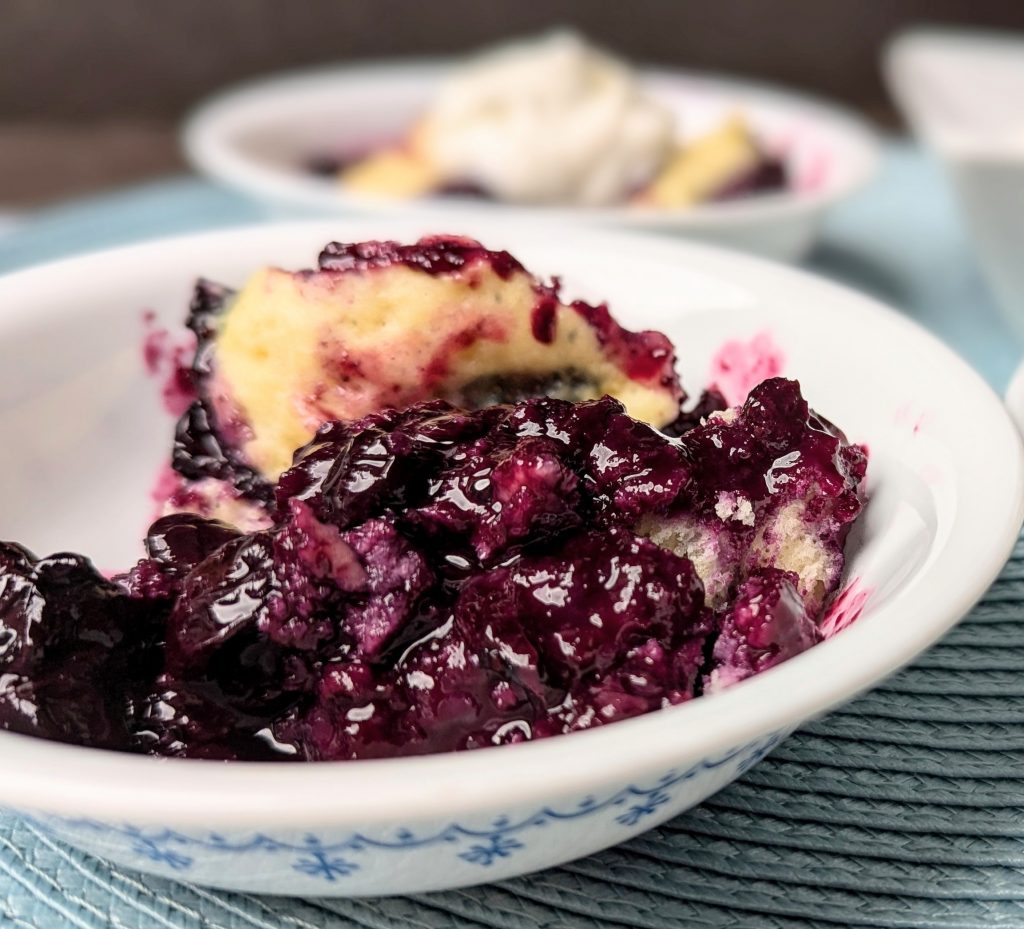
{"points": [[496, 848]]}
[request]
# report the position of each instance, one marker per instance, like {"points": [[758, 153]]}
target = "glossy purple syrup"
{"points": [[469, 576], [434, 580], [765, 476], [710, 401], [778, 448], [517, 658], [642, 355], [433, 255], [544, 316], [77, 653]]}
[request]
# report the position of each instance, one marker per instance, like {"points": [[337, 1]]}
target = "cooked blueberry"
{"points": [[76, 652], [766, 624], [435, 580]]}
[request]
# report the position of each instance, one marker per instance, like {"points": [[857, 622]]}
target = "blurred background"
{"points": [[93, 91]]}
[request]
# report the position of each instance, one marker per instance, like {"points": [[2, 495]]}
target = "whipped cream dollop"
{"points": [[548, 121]]}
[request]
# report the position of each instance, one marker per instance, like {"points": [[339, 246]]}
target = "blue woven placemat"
{"points": [[903, 809]]}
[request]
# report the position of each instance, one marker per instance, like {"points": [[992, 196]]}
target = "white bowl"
{"points": [[1015, 397], [84, 433], [258, 137], [963, 93]]}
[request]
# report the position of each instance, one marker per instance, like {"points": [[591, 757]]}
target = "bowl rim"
{"points": [[206, 147], [1014, 396], [75, 781]]}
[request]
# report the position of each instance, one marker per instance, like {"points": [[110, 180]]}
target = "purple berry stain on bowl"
{"points": [[739, 366], [168, 360]]}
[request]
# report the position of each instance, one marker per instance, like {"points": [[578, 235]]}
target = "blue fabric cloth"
{"points": [[903, 809]]}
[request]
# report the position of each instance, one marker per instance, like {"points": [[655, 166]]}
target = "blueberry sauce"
{"points": [[433, 255], [210, 435], [710, 401], [77, 654], [769, 175], [765, 624], [544, 315], [467, 190], [777, 447], [642, 355], [434, 579]]}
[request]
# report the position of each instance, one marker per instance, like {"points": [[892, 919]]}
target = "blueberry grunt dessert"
{"points": [[774, 485], [438, 579], [378, 325], [556, 122], [474, 544]]}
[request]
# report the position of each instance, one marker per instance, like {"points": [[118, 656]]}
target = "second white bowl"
{"points": [[259, 137]]}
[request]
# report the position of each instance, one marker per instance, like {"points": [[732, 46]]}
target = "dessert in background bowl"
{"points": [[555, 122], [87, 431], [546, 130]]}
